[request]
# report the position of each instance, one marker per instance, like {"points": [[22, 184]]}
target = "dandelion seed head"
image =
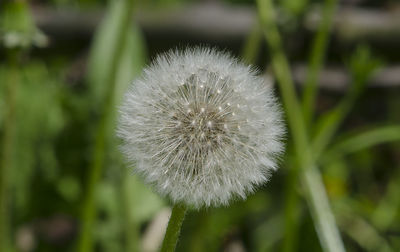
{"points": [[201, 127]]}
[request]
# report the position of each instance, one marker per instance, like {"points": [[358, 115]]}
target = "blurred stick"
{"points": [[235, 23], [338, 79], [351, 24], [221, 22]]}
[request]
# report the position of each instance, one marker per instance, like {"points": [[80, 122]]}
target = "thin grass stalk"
{"points": [[252, 45], [330, 127], [174, 228], [291, 213], [283, 75], [315, 194], [8, 149], [362, 68], [317, 57], [321, 213], [132, 232], [318, 50], [85, 242]]}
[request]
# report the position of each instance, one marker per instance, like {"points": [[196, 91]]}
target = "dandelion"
{"points": [[201, 127]]}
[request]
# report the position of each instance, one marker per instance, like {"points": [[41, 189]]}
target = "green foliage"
{"points": [[361, 66], [55, 124], [41, 118], [17, 29], [103, 47], [116, 57], [366, 139], [295, 7]]}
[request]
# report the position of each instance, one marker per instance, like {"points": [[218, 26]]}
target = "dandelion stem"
{"points": [[174, 228], [317, 200], [89, 209]]}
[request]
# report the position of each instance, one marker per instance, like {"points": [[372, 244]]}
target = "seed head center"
{"points": [[203, 124]]}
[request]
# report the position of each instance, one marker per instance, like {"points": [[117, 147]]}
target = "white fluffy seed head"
{"points": [[201, 127]]}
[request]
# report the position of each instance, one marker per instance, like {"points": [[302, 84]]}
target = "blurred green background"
{"points": [[64, 65]]}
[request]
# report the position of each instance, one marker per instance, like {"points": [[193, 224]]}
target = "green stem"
{"points": [[329, 124], [321, 213], [174, 228], [317, 59], [89, 209], [316, 62], [283, 75], [8, 152], [317, 200], [362, 67], [252, 45], [291, 210]]}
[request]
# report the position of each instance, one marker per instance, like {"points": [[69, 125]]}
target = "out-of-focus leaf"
{"points": [[212, 226], [363, 233], [386, 211], [363, 140], [336, 175], [327, 126], [69, 188], [101, 54], [295, 7], [39, 120], [131, 202], [108, 230], [17, 28], [273, 229], [140, 202], [144, 202], [361, 65]]}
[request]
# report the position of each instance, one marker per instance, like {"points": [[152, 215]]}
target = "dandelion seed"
{"points": [[187, 139]]}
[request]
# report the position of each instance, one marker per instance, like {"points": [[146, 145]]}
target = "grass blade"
{"points": [[324, 222]]}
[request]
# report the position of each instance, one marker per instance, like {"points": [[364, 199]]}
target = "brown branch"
{"points": [[337, 79]]}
